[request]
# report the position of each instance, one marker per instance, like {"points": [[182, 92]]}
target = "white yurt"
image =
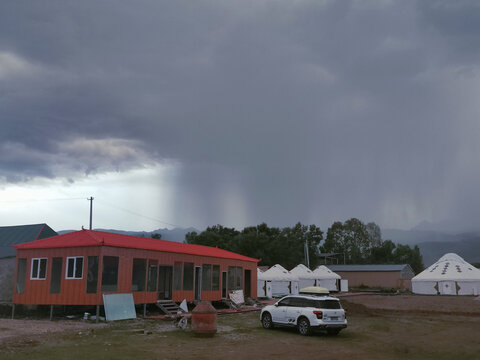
{"points": [[280, 281], [305, 276], [450, 275], [327, 278]]}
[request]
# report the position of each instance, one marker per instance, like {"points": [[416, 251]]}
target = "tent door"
{"points": [[447, 288]]}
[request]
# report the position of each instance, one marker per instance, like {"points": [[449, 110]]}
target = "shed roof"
{"points": [[19, 234], [360, 268], [86, 238]]}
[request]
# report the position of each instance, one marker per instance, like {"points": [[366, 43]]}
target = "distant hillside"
{"points": [[177, 234], [434, 244], [414, 237], [469, 249]]}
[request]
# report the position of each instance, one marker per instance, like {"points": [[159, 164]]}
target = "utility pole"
{"points": [[307, 257], [91, 208]]}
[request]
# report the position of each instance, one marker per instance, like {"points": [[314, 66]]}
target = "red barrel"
{"points": [[204, 319]]}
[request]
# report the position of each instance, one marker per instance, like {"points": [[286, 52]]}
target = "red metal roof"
{"points": [[85, 238]]}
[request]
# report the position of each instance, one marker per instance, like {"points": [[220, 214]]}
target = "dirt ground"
{"points": [[11, 330], [449, 305], [380, 327]]}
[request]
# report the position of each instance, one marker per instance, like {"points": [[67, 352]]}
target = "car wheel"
{"points": [[304, 326], [333, 332], [267, 321]]}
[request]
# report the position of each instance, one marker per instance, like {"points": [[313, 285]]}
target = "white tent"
{"points": [[306, 277], [264, 286], [450, 275], [280, 280], [327, 278]]}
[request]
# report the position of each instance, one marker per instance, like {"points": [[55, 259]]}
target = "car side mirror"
{"points": [[276, 304]]}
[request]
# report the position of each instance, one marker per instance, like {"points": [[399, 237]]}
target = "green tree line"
{"points": [[352, 241], [362, 244], [271, 245]]}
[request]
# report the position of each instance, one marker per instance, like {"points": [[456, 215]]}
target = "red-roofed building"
{"points": [[78, 268]]}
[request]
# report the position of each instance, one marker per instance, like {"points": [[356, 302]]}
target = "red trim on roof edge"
{"points": [[86, 238]]}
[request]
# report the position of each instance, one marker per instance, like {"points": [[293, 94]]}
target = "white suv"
{"points": [[307, 313]]}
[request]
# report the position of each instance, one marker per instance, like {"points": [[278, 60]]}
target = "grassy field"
{"points": [[240, 336]]}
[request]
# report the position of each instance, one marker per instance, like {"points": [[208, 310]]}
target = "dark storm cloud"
{"points": [[316, 110], [457, 27]]}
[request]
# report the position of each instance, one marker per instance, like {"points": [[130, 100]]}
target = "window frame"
{"points": [[75, 258], [178, 276], [93, 265], [139, 268], [188, 276], [39, 259], [152, 275], [216, 273], [21, 280], [235, 278], [110, 273], [206, 277]]}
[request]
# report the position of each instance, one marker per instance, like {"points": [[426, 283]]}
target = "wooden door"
{"points": [[248, 284]]}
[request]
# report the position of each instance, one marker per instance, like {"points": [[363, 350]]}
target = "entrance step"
{"points": [[168, 307]]}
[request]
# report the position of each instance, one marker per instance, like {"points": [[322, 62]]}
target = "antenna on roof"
{"points": [[91, 208]]}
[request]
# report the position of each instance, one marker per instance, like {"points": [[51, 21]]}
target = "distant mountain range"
{"points": [[434, 244], [177, 234]]}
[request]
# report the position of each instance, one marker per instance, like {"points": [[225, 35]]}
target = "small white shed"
{"points": [[280, 280], [450, 275], [327, 278], [305, 276]]}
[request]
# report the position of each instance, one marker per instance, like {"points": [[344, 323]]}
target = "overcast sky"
{"points": [[195, 113]]}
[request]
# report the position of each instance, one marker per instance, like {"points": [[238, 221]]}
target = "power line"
{"points": [[91, 199], [40, 200], [136, 214]]}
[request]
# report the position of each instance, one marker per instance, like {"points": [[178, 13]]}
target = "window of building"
{"points": [[152, 275], [206, 277], [216, 277], [234, 278], [238, 278], [39, 269], [21, 275], [139, 272], [110, 273], [177, 275], [56, 275], [92, 274], [188, 276], [74, 268]]}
